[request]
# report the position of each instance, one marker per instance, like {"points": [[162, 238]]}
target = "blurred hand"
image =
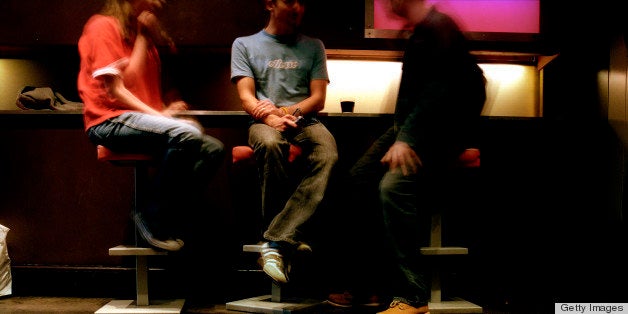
{"points": [[149, 24], [175, 107], [401, 156], [178, 105]]}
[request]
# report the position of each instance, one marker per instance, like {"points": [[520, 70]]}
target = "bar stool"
{"points": [[142, 303], [469, 159], [274, 302]]}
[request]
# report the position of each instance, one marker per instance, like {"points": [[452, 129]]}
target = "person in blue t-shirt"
{"points": [[281, 78]]}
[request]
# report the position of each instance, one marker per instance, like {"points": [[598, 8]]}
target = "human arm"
{"points": [[116, 89], [443, 89], [134, 68], [105, 79], [315, 102], [268, 95], [148, 27], [318, 78], [280, 118], [262, 110], [175, 106], [426, 90]]}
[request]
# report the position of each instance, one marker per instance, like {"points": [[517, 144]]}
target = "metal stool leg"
{"points": [[142, 303]]}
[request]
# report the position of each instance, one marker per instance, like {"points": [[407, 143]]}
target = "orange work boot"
{"points": [[397, 307]]}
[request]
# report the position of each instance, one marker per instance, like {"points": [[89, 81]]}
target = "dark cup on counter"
{"points": [[347, 105]]}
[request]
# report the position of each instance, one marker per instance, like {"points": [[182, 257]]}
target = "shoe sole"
{"points": [[275, 274], [344, 306], [369, 305]]}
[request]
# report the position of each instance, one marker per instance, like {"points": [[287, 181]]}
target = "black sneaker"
{"points": [[168, 245]]}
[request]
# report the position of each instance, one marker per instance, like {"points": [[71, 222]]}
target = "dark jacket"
{"points": [[442, 91]]}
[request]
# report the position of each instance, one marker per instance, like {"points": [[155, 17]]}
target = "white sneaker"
{"points": [[272, 264]]}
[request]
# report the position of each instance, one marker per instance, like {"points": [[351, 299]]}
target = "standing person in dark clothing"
{"points": [[441, 96]]}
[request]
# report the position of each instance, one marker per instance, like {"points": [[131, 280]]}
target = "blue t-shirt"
{"points": [[281, 66]]}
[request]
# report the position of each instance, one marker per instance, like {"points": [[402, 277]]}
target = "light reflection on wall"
{"points": [[513, 90], [373, 85]]}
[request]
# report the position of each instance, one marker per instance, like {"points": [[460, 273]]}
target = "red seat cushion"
{"points": [[470, 158], [245, 153], [241, 154], [106, 154]]}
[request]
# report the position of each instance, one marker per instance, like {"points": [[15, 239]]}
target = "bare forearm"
{"points": [[123, 95], [138, 57]]}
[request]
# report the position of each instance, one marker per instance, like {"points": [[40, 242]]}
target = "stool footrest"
{"points": [[125, 250], [454, 306], [273, 303], [256, 248], [130, 306], [263, 304], [444, 250], [141, 304]]}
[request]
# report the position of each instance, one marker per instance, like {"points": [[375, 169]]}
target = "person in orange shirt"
{"points": [[120, 84]]}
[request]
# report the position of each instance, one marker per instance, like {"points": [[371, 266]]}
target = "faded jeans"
{"points": [[404, 212], [285, 211], [186, 159]]}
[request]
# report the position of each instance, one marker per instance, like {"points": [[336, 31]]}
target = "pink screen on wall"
{"points": [[498, 16]]}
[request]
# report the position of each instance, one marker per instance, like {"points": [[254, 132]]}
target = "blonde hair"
{"points": [[122, 10]]}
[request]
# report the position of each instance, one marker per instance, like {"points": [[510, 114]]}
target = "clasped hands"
{"points": [[273, 116]]}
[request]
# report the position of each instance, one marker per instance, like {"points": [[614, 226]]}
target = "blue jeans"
{"points": [[285, 211], [405, 202], [186, 159]]}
